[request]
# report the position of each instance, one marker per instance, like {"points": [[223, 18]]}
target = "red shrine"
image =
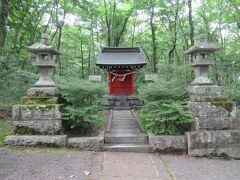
{"points": [[121, 64]]}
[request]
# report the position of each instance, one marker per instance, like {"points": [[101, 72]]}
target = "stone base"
{"points": [[31, 140], [86, 143], [205, 92], [43, 91], [214, 115], [168, 144], [124, 102], [214, 143], [37, 119]]}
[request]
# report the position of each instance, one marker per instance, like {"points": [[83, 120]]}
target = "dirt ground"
{"points": [[53, 164]]}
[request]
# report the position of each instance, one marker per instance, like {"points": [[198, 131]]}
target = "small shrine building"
{"points": [[121, 64]]}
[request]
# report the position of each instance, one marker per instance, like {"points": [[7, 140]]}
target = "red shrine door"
{"points": [[121, 82]]}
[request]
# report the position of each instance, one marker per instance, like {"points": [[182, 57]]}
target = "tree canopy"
{"points": [[80, 28]]}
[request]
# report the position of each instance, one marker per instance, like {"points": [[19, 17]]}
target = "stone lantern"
{"points": [[206, 103], [202, 60], [39, 112], [45, 63]]}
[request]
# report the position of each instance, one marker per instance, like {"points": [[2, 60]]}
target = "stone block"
{"points": [[94, 78], [43, 91], [40, 126], [168, 143], [214, 143], [151, 77], [87, 143], [26, 113], [216, 123], [205, 90], [36, 140], [16, 112], [215, 115], [39, 100], [205, 97]]}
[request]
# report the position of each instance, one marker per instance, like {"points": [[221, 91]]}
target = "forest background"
{"points": [[80, 28]]}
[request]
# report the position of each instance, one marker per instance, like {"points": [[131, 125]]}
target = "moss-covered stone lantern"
{"points": [[207, 104], [39, 112], [45, 63]]}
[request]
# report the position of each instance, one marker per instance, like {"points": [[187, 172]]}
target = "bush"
{"points": [[166, 117], [165, 110], [163, 90], [83, 102]]}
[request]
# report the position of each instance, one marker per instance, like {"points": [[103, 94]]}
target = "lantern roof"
{"points": [[120, 56], [43, 46], [202, 46]]}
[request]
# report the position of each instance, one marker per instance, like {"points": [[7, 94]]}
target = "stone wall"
{"points": [[214, 143], [86, 143], [203, 143], [168, 143]]}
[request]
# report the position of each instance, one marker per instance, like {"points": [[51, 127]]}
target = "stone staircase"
{"points": [[124, 133]]}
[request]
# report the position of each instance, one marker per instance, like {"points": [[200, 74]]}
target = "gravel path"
{"points": [[51, 164]]}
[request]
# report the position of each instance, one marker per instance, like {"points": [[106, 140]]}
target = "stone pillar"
{"points": [[39, 111]]}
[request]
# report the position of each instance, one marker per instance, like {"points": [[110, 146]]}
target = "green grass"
{"points": [[6, 129]]}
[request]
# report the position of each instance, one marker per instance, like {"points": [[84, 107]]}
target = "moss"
{"points": [[43, 107], [23, 130], [39, 94], [228, 105], [39, 99]]}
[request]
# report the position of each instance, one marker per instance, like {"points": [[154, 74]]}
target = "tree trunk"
{"points": [[3, 21], [190, 20], [154, 46], [82, 57], [174, 38], [108, 23]]}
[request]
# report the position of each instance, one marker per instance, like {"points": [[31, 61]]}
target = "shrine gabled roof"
{"points": [[120, 56]]}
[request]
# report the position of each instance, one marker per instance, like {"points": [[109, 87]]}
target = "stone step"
{"points": [[122, 118], [122, 108], [137, 147], [112, 138], [124, 122], [122, 130], [125, 126], [122, 113]]}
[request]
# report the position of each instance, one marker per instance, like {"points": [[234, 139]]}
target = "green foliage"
{"points": [[166, 117], [5, 130], [162, 90], [165, 110], [232, 91], [83, 102]]}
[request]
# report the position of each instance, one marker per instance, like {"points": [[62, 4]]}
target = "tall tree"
{"points": [[3, 21], [153, 32], [190, 20]]}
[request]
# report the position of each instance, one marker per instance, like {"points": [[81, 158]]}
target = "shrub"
{"points": [[83, 102], [166, 117], [163, 90], [165, 110]]}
